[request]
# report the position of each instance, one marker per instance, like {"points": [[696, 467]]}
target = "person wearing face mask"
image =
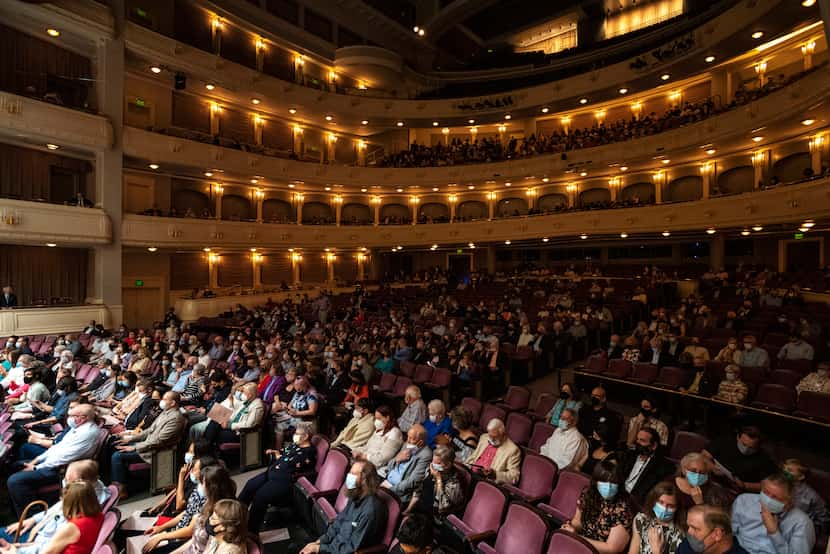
{"points": [[566, 446], [360, 427], [384, 442], [56, 410], [732, 389], [817, 381], [709, 530], [273, 486], [657, 529], [769, 522], [248, 413], [442, 492], [796, 349], [35, 391], [696, 487], [496, 456], [598, 412], [362, 522], [416, 536], [568, 398], [176, 499], [648, 416], [104, 376], [405, 471], [805, 497], [744, 458], [415, 411], [603, 515], [644, 465], [729, 354], [14, 376], [227, 529], [437, 423], [752, 355], [163, 433]]}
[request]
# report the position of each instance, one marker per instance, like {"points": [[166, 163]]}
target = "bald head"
{"points": [[82, 470]]}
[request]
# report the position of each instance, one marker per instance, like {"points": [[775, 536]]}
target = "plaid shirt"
{"points": [[734, 392]]}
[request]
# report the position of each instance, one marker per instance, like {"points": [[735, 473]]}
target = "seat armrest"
{"points": [[377, 548], [326, 493], [485, 548], [479, 537]]}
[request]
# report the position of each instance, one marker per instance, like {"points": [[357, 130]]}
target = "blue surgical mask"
{"points": [[663, 513], [746, 450], [193, 479], [351, 481], [607, 490], [438, 467], [564, 425], [200, 490], [72, 422], [696, 479], [696, 544], [238, 395], [773, 505]]}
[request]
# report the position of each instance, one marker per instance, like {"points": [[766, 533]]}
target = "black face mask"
{"points": [[27, 380], [564, 395], [595, 401], [211, 529], [643, 450], [646, 413]]}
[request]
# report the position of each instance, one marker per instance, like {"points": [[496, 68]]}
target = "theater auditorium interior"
{"points": [[414, 276]]}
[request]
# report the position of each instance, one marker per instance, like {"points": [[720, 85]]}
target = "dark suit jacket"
{"points": [[139, 413], [10, 303], [657, 469], [646, 356], [616, 352]]}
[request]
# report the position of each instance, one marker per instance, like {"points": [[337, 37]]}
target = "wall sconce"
{"points": [[761, 68], [360, 257], [260, 44], [808, 48], [614, 181], [259, 193], [338, 199], [599, 114], [299, 60], [706, 168], [414, 199], [445, 131], [332, 137], [361, 85], [816, 142], [674, 96], [361, 144], [566, 120], [453, 198], [657, 175], [218, 188], [299, 197], [491, 196], [296, 257], [502, 128], [473, 130], [571, 187], [258, 120], [636, 107], [332, 75], [216, 24], [331, 257], [758, 157], [214, 258], [257, 258], [530, 192], [376, 200], [215, 108]]}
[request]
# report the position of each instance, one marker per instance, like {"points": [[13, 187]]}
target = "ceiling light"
{"points": [[507, 242], [51, 244], [328, 189], [757, 34], [434, 247], [254, 181], [471, 187], [415, 29], [508, 183], [154, 166], [710, 231], [583, 236], [583, 173], [666, 161], [808, 224], [471, 244], [808, 3], [291, 185], [623, 235], [623, 90], [666, 233], [328, 117], [53, 32], [545, 179], [364, 122], [508, 116], [711, 151], [155, 69], [583, 100], [434, 189], [399, 123], [471, 121], [546, 239], [807, 121], [152, 249], [255, 101], [420, 32], [545, 109], [400, 190], [757, 228], [757, 139], [208, 173], [745, 233], [803, 229], [52, 146], [623, 168], [364, 189], [210, 86], [665, 77], [709, 59]]}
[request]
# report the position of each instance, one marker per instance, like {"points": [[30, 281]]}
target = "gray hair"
{"points": [[692, 457], [304, 427], [437, 403], [446, 454], [495, 424]]}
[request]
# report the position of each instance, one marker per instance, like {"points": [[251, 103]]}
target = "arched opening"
{"points": [[395, 214], [511, 207], [356, 214], [191, 203], [685, 189], [236, 208], [471, 210], [638, 193], [793, 167], [433, 212], [553, 202], [317, 213], [277, 211], [736, 180], [594, 198]]}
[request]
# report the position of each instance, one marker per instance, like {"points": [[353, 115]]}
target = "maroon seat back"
{"points": [[393, 515], [753, 375], [618, 368], [518, 427], [779, 398], [387, 382], [544, 404], [523, 531], [814, 405], [819, 479], [802, 367], [562, 542], [407, 369], [321, 445], [517, 398], [786, 377], [568, 488], [423, 373], [686, 442], [464, 476], [473, 407], [644, 373], [333, 471], [484, 511], [541, 433], [672, 377], [441, 377], [401, 384], [596, 363], [538, 474], [488, 412]]}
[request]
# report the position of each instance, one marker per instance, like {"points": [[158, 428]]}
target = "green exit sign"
{"points": [[140, 102], [139, 283], [798, 236], [459, 251]]}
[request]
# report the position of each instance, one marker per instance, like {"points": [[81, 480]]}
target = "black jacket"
{"points": [[11, 302], [657, 469]]}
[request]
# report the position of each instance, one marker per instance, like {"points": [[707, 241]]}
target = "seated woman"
{"points": [[302, 408], [602, 447], [35, 391], [82, 511], [273, 381], [227, 527], [273, 486], [603, 516], [465, 440], [385, 364], [694, 486], [248, 411], [284, 395], [657, 530], [176, 499], [441, 492], [568, 398], [357, 390], [125, 394], [385, 442]]}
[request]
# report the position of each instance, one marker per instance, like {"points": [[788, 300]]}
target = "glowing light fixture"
{"points": [[711, 231], [52, 146], [757, 34], [53, 32], [709, 59], [155, 69], [152, 249], [583, 100], [665, 77]]}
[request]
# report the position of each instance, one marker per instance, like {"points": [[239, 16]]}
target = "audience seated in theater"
{"points": [[655, 353], [743, 457], [273, 486], [248, 413], [644, 466], [176, 500], [403, 473], [416, 534], [566, 446], [463, 439], [360, 428], [496, 456], [603, 515], [77, 443], [598, 412], [732, 389], [752, 355], [631, 352], [729, 354], [674, 347], [805, 497], [796, 349], [302, 407], [138, 447], [817, 381], [709, 529], [602, 445], [33, 390], [568, 399], [769, 522], [437, 423], [648, 416], [441, 492], [696, 487], [362, 521], [656, 528], [615, 349], [415, 411], [386, 439]]}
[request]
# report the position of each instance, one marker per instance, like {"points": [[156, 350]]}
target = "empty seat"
{"points": [[544, 404], [523, 531], [518, 427], [814, 405], [618, 368], [686, 442], [801, 366], [399, 390], [562, 542], [482, 516], [541, 433], [423, 373], [562, 503], [753, 375], [779, 398], [538, 474], [596, 363], [672, 378], [328, 481], [644, 373], [786, 377], [517, 398], [473, 407], [387, 382], [489, 412]]}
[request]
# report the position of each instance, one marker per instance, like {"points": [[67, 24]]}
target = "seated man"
{"points": [[415, 411], [362, 522], [732, 389], [817, 381], [405, 471], [496, 456], [796, 349], [78, 443], [648, 417], [645, 466], [743, 458], [769, 523], [38, 530], [164, 432], [751, 355], [360, 428], [709, 529], [566, 446], [438, 423], [596, 413], [248, 411], [416, 534]]}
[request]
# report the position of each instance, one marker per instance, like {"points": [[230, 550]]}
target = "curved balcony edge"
{"points": [[26, 222]]}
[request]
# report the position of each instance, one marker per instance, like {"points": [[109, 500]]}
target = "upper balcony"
{"points": [[33, 223]]}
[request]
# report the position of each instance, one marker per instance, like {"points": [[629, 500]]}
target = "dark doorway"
{"points": [[459, 267], [803, 255]]}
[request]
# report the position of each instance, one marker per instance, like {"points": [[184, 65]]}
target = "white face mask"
{"points": [[379, 424], [163, 404], [357, 413], [297, 438]]}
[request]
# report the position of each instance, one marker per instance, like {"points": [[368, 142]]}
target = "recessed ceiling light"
{"points": [[665, 77], [154, 166], [583, 173], [666, 233], [808, 224], [434, 189], [471, 187], [745, 233], [421, 32], [364, 189], [808, 3], [507, 242], [623, 90], [757, 34], [757, 228], [208, 173], [53, 32], [666, 161], [583, 100], [51, 244], [415, 29], [210, 86], [623, 168], [710, 231], [328, 117], [206, 248], [709, 59], [51, 146], [711, 151], [545, 179], [508, 116], [254, 181], [328, 189], [757, 139], [434, 247], [291, 185], [807, 121], [364, 122], [583, 236], [152, 249], [255, 101], [803, 229], [508, 183], [399, 123], [545, 110], [399, 190], [471, 244], [623, 235], [155, 69], [471, 121], [546, 239]]}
